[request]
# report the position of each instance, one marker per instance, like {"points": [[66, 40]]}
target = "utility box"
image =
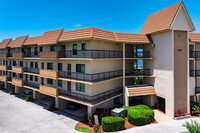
{"points": [[118, 112]]}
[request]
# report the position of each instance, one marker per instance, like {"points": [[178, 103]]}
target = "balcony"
{"points": [[49, 74], [49, 91], [51, 54], [18, 55], [140, 54], [9, 68], [3, 78], [194, 73], [91, 99], [32, 85], [31, 70], [17, 69], [138, 72], [192, 54], [197, 90], [95, 54], [3, 55], [90, 77], [17, 82], [32, 54], [3, 67]]}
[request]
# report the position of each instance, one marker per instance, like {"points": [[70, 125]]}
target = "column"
{"points": [[16, 89], [89, 109], [124, 67], [57, 102]]}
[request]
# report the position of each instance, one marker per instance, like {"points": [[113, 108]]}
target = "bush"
{"points": [[138, 107], [11, 92], [51, 106], [28, 98], [110, 124], [140, 116], [83, 129], [85, 118], [96, 128], [193, 127]]}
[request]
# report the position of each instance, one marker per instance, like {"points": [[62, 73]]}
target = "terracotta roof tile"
{"points": [[5, 43], [161, 20], [103, 34], [76, 34], [50, 37], [141, 91], [18, 42], [194, 37], [130, 37], [32, 40]]}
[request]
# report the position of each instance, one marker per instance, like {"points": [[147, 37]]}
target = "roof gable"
{"points": [[18, 42], [50, 37], [32, 40], [161, 20], [5, 43]]}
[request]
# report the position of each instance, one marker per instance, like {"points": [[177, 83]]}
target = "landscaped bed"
{"points": [[136, 116]]}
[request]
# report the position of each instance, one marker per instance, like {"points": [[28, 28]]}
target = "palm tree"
{"points": [[193, 127]]}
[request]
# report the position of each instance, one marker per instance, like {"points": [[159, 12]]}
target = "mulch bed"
{"points": [[127, 126]]}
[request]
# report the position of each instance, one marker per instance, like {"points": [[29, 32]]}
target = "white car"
{"points": [[28, 92]]}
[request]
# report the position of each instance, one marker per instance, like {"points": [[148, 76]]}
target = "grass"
{"points": [[83, 129]]}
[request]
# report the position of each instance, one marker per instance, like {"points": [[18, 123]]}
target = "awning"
{"points": [[141, 91]]}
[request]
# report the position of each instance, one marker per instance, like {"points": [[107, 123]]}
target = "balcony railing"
{"points": [[140, 54], [31, 84], [91, 99], [9, 67], [10, 54], [90, 54], [32, 54], [9, 79], [91, 77], [192, 54], [138, 72], [31, 70], [195, 73]]}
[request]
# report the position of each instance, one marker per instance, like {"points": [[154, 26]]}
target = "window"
{"points": [[42, 65], [21, 76], [31, 77], [50, 66], [60, 83], [36, 50], [41, 49], [21, 63], [80, 68], [4, 72], [31, 64], [74, 49], [4, 62], [36, 64], [50, 81], [53, 48], [14, 74], [59, 66], [80, 87], [14, 63], [36, 78], [83, 46]]}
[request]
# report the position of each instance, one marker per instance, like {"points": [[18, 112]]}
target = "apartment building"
{"points": [[98, 68]]}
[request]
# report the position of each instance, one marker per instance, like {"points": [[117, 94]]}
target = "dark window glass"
{"points": [[14, 74], [14, 63], [59, 66], [31, 64], [53, 48], [42, 65], [50, 81], [80, 68], [21, 63], [74, 49], [60, 83], [36, 64], [41, 49], [80, 87], [21, 76], [31, 77], [50, 66], [83, 46], [36, 78]]}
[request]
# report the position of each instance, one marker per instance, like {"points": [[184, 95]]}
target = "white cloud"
{"points": [[77, 25]]}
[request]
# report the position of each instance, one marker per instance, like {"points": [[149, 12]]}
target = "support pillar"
{"points": [[34, 95], [57, 102], [16, 90], [6, 85], [124, 67], [89, 111]]}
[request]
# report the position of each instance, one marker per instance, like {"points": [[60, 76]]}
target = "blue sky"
{"points": [[34, 17]]}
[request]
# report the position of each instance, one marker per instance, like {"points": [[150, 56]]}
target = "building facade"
{"points": [[100, 69]]}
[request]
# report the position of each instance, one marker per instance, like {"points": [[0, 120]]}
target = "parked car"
{"points": [[28, 92], [74, 106]]}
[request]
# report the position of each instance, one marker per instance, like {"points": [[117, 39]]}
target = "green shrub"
{"points": [[110, 124], [85, 118], [28, 98], [138, 107], [140, 116], [51, 106], [96, 128], [83, 129], [193, 127], [11, 92]]}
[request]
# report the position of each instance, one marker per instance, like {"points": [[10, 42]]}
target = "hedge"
{"points": [[110, 124], [140, 116], [138, 107]]}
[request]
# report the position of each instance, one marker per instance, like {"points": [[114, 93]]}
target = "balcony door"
{"points": [[74, 49], [62, 51], [69, 69], [69, 86], [36, 51]]}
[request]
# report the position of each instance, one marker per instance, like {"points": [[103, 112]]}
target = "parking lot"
{"points": [[17, 115]]}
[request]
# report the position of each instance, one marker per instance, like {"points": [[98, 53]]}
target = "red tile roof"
{"points": [[50, 37], [194, 37], [5, 43], [32, 40], [161, 20], [18, 42]]}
